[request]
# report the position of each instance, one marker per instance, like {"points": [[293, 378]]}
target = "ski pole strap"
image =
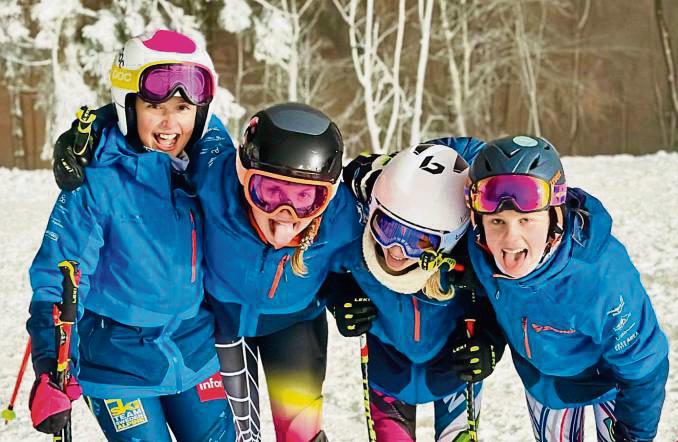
{"points": [[82, 141]]}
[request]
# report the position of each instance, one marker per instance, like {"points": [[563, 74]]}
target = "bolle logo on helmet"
{"points": [[431, 167], [121, 57]]}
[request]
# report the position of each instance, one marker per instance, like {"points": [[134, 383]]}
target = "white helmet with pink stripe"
{"points": [[156, 66]]}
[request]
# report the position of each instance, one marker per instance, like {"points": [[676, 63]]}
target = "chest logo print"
{"points": [[542, 328]]}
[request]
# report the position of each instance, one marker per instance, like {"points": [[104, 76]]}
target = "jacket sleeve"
{"points": [[467, 147], [361, 173], [215, 145], [634, 346], [343, 218], [72, 233]]}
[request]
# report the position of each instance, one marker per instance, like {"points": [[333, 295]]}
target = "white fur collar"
{"points": [[408, 283]]}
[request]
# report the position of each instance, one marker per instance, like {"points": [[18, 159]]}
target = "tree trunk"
{"points": [[576, 87], [665, 39], [17, 128]]}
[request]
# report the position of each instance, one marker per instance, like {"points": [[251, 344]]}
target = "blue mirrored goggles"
{"points": [[388, 231]]}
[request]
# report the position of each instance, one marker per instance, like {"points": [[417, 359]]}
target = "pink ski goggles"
{"points": [[156, 83], [526, 193], [270, 193], [388, 231]]}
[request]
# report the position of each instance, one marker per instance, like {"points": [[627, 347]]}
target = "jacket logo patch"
{"points": [[541, 328], [622, 322], [126, 415], [625, 332], [618, 309], [625, 343], [211, 388]]}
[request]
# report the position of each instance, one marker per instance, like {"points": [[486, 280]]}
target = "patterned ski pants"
{"points": [[567, 425]]}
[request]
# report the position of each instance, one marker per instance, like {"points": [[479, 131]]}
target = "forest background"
{"points": [[593, 76]]}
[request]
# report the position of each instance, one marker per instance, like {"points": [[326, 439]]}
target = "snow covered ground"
{"points": [[640, 192]]}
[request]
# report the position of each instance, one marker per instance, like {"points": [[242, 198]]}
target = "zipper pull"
{"points": [[526, 339], [278, 274]]}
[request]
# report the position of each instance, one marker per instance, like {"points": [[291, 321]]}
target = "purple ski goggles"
{"points": [[156, 83]]}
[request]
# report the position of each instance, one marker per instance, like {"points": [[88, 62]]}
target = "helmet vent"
{"points": [[460, 165], [534, 164], [421, 148]]}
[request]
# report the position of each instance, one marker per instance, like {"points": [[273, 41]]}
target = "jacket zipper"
{"points": [[526, 340], [417, 319], [194, 245], [278, 274]]}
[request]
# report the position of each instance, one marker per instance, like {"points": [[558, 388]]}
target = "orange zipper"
{"points": [[278, 274], [194, 245], [526, 341], [417, 318]]}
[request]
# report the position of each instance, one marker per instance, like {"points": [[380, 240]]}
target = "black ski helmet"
{"points": [[520, 155], [295, 140]]}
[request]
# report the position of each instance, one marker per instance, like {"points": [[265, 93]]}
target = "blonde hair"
{"points": [[298, 266], [434, 290]]}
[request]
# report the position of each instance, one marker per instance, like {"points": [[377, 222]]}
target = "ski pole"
{"points": [[364, 359], [470, 399], [64, 319], [8, 414]]}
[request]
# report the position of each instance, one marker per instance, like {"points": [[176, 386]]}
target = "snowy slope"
{"points": [[641, 193]]}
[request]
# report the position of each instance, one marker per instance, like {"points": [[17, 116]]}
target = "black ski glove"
{"points": [[73, 150], [354, 316], [351, 307], [474, 358]]}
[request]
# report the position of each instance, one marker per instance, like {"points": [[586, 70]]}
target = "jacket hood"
{"points": [[589, 225]]}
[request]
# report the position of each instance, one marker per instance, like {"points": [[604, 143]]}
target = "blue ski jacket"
{"points": [[249, 284], [416, 326], [136, 230], [581, 327]]}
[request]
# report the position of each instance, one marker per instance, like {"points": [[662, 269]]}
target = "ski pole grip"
{"points": [[71, 281]]}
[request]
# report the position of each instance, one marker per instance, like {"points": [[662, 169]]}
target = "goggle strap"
{"points": [[559, 194]]}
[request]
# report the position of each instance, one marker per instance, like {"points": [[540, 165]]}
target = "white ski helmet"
{"points": [[423, 187], [158, 65]]}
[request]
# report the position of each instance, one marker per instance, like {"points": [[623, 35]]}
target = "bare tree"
{"points": [[425, 14], [477, 51], [575, 108], [377, 68], [667, 49], [529, 55]]}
